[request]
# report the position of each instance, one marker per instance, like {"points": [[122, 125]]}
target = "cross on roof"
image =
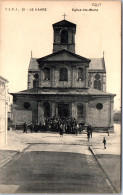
{"points": [[64, 16]]}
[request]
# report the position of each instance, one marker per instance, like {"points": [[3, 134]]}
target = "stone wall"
{"points": [[55, 76], [100, 118], [22, 116], [29, 114]]}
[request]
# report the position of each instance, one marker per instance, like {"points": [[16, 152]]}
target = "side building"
{"points": [[3, 111], [65, 84]]}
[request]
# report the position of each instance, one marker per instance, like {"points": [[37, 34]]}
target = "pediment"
{"points": [[63, 55]]}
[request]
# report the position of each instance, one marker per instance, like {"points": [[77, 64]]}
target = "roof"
{"points": [[97, 64], [64, 23], [92, 91], [89, 91], [63, 55], [33, 65], [3, 79]]}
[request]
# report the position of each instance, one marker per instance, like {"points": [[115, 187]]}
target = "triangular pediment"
{"points": [[64, 23], [63, 55]]}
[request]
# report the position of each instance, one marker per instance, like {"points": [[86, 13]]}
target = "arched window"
{"points": [[36, 76], [80, 74], [63, 74], [64, 36], [97, 84], [80, 111], [46, 109], [34, 83], [46, 73]]}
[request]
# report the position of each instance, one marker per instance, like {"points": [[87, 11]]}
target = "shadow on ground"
{"points": [[54, 172]]}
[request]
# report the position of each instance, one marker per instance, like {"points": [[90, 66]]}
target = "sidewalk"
{"points": [[108, 159]]}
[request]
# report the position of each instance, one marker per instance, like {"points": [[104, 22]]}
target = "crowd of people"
{"points": [[57, 124], [61, 125]]}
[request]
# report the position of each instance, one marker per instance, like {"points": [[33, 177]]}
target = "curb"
{"points": [[107, 177], [14, 156]]}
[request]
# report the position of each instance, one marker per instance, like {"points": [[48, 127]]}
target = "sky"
{"points": [[24, 30]]}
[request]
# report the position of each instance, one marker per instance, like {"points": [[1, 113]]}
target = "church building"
{"points": [[65, 84]]}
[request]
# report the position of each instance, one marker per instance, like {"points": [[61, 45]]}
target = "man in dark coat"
{"points": [[90, 130], [31, 128], [61, 130], [25, 128], [88, 135], [104, 142]]}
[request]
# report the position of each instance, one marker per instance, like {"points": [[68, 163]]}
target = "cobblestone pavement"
{"points": [[108, 158]]}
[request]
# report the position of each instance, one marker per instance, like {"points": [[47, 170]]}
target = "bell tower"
{"points": [[64, 36]]}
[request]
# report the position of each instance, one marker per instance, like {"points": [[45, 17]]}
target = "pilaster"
{"points": [[74, 110], [86, 113], [86, 77], [112, 109], [110, 114], [53, 109], [56, 110], [41, 77], [52, 76], [104, 82], [40, 112], [73, 76]]}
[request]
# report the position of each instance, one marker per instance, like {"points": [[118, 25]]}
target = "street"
{"points": [[53, 168]]}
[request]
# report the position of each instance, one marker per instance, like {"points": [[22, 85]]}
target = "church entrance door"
{"points": [[63, 110]]}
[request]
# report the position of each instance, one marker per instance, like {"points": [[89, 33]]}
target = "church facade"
{"points": [[64, 84]]}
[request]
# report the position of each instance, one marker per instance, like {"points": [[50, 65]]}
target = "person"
{"points": [[77, 129], [63, 125], [31, 128], [80, 128], [91, 131], [88, 135], [104, 142], [25, 128], [61, 130]]}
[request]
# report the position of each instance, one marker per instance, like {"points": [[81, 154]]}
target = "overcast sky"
{"points": [[23, 31]]}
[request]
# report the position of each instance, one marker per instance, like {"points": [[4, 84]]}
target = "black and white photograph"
{"points": [[60, 97]]}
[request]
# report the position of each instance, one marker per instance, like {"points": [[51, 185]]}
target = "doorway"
{"points": [[63, 110]]}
